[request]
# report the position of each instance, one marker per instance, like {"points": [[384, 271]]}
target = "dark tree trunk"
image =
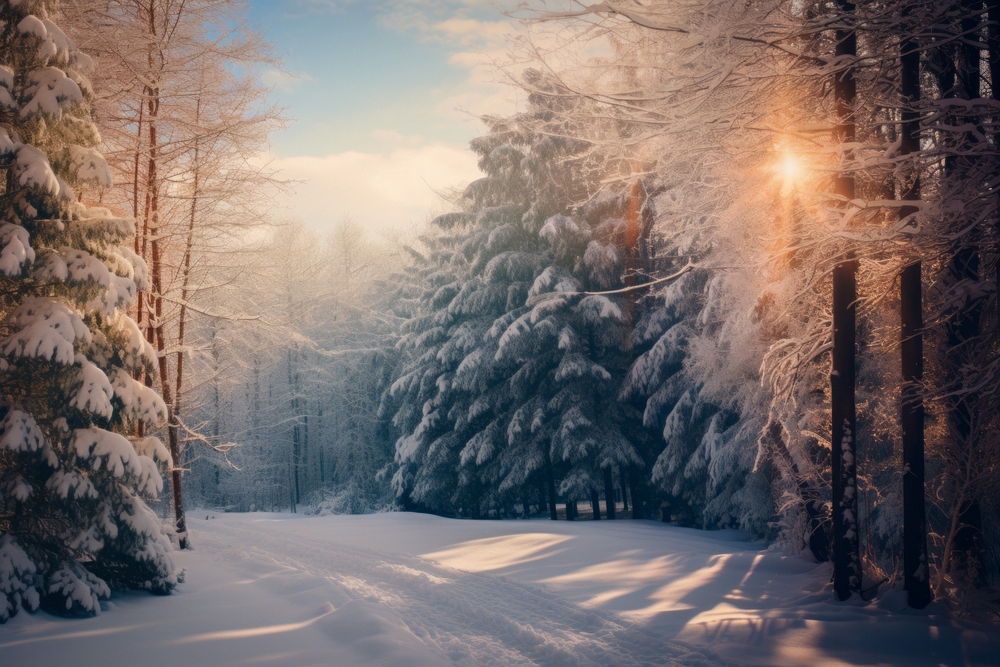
{"points": [[543, 505], [571, 512], [175, 484], [609, 493], [296, 433], [638, 498], [552, 495], [846, 547], [916, 576], [964, 325], [595, 502], [623, 482]]}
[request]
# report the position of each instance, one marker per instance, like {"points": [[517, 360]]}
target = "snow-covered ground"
{"points": [[414, 590]]}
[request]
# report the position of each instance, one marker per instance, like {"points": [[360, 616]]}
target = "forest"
{"points": [[729, 266]]}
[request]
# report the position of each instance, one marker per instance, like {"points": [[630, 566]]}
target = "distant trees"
{"points": [[74, 478], [298, 390]]}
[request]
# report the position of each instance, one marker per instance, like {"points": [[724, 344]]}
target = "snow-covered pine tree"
{"points": [[477, 268], [514, 372], [73, 522]]}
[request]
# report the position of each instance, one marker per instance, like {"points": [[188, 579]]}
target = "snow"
{"points": [[93, 443], [140, 401], [411, 589], [95, 392], [79, 587], [20, 433], [16, 576], [7, 145], [17, 249], [33, 170], [50, 89], [89, 166], [48, 329], [137, 350]]}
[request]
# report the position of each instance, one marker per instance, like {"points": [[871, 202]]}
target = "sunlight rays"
{"points": [[254, 632], [496, 553], [82, 634]]}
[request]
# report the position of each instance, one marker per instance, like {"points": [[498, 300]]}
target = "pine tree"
{"points": [[73, 520], [514, 371]]}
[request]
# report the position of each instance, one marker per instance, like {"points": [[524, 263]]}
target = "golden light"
{"points": [[790, 168]]}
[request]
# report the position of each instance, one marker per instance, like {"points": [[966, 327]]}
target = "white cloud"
{"points": [[468, 32], [380, 192], [394, 138], [284, 82]]}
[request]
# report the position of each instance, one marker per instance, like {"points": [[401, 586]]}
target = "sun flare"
{"points": [[790, 169]]}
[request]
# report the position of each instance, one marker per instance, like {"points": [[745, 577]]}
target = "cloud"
{"points": [[394, 138], [306, 7], [472, 32], [380, 192], [284, 82], [477, 43]]}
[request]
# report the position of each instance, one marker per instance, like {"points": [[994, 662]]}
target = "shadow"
{"points": [[745, 605]]}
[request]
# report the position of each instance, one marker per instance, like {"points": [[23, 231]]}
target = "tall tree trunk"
{"points": [[135, 177], [322, 447], [595, 503], [553, 512], [846, 544], [638, 497], [916, 576], [609, 493], [622, 483], [963, 327], [293, 385]]}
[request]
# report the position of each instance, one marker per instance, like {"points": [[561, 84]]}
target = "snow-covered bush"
{"points": [[72, 516]]}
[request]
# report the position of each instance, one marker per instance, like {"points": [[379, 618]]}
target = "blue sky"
{"points": [[381, 93], [359, 74]]}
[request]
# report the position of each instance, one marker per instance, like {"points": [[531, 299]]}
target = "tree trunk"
{"points": [[846, 548], [964, 326], [638, 497], [322, 447], [916, 576], [552, 494], [296, 434], [595, 502], [846, 544], [622, 483], [609, 493]]}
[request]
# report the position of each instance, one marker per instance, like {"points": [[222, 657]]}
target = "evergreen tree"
{"points": [[73, 520], [515, 369]]}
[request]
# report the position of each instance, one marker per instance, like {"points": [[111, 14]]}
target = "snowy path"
{"points": [[405, 589], [473, 618]]}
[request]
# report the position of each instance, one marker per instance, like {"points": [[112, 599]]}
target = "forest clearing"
{"points": [[623, 332]]}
